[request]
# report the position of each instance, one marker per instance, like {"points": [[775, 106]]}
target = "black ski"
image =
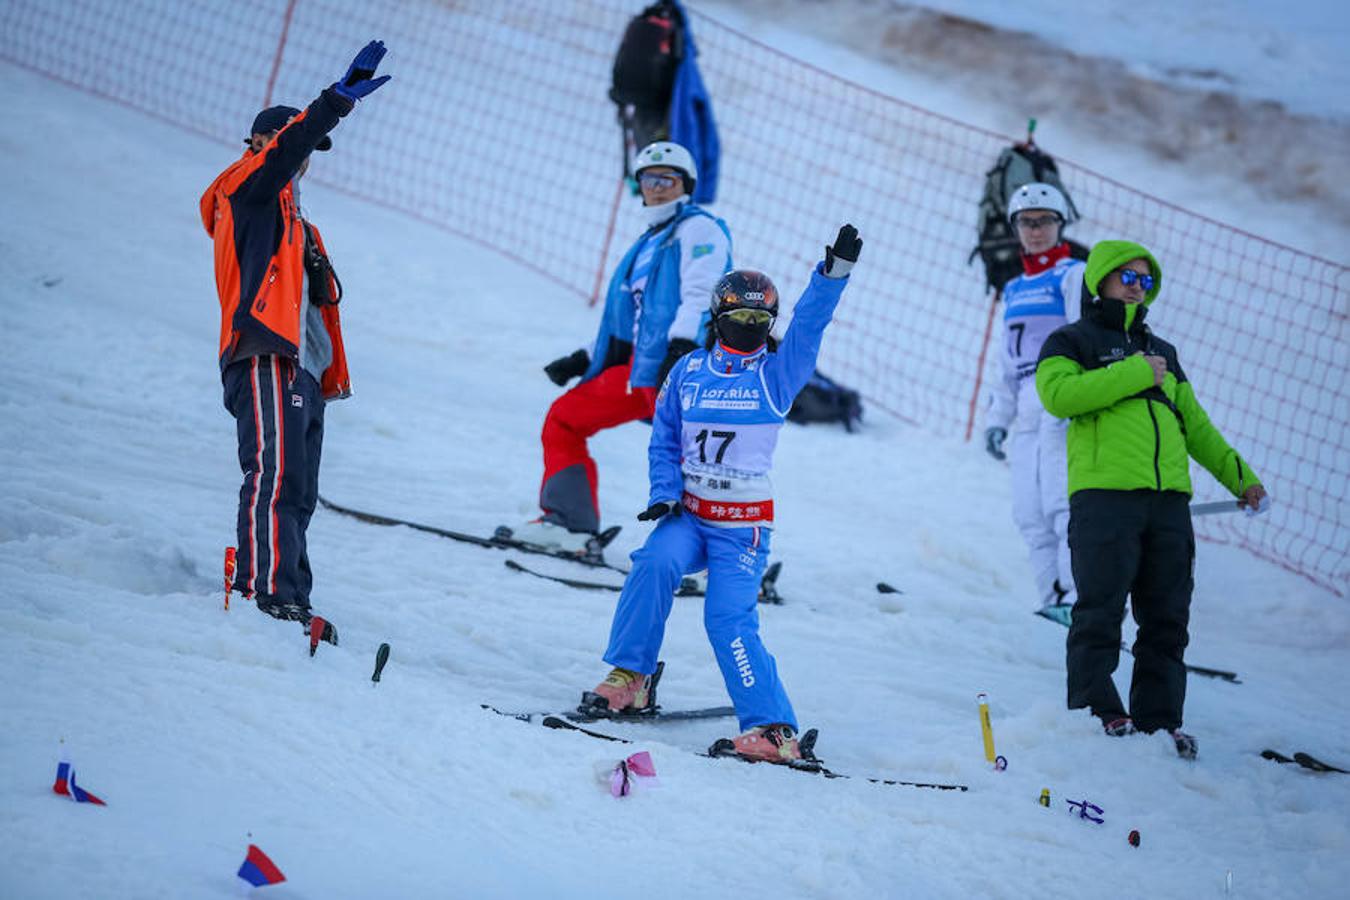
{"points": [[1053, 614], [594, 709], [674, 715], [1305, 760], [768, 589], [806, 741], [592, 556]]}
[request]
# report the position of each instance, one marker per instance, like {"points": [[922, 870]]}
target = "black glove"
{"points": [[358, 83], [657, 510], [841, 257], [565, 367], [674, 350], [993, 442]]}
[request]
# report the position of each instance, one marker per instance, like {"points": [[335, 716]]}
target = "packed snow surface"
{"points": [[206, 730]]}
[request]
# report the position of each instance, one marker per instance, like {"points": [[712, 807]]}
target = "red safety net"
{"points": [[494, 104]]}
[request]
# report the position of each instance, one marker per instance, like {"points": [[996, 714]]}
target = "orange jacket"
{"points": [[250, 212]]}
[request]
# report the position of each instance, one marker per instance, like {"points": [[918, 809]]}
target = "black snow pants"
{"points": [[1138, 543], [278, 409]]}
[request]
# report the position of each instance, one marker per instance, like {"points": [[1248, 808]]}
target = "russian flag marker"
{"points": [[258, 870]]}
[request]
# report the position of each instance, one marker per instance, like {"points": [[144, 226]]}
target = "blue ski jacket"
{"points": [[719, 413], [644, 322]]}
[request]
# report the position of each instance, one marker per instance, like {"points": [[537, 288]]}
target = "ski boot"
{"points": [[622, 693], [1187, 746], [549, 535], [1119, 727]]}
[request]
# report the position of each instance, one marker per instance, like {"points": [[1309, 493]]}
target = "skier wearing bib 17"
{"points": [[714, 432]]}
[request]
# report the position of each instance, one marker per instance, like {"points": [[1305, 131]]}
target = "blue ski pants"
{"points": [[735, 559]]}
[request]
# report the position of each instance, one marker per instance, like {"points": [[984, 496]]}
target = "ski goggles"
{"points": [[1130, 276], [748, 316], [657, 180], [1029, 222]]}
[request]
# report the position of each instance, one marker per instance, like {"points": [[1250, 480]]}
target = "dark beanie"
{"points": [[274, 118]]}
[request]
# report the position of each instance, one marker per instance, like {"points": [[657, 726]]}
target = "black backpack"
{"points": [[825, 400], [998, 247], [648, 55]]}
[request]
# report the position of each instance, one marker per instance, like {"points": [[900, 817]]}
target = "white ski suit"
{"points": [[1034, 305]]}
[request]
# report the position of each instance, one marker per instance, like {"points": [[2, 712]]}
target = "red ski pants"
{"points": [[567, 493]]}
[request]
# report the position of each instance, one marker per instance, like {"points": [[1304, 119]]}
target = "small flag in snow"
{"points": [[631, 772], [65, 784], [258, 870]]}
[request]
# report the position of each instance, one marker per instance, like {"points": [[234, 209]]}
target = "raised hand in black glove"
{"points": [[657, 510], [674, 350], [565, 367], [840, 258]]}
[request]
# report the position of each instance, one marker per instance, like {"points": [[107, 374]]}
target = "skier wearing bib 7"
{"points": [[714, 432]]}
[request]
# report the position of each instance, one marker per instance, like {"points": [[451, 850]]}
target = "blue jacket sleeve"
{"points": [[664, 451], [795, 359]]}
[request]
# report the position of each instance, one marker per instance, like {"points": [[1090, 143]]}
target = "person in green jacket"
{"points": [[1134, 424]]}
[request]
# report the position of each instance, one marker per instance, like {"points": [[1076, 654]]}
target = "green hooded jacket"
{"points": [[1124, 432]]}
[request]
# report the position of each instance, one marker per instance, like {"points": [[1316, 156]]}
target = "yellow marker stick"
{"points": [[985, 727]]}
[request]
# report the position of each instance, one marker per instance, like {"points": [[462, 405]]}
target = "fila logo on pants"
{"points": [[742, 660]]}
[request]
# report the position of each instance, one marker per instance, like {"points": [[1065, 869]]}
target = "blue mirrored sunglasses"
{"points": [[1130, 276], [657, 180]]}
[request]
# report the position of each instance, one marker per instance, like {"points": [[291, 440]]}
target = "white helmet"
{"points": [[667, 153], [1038, 195]]}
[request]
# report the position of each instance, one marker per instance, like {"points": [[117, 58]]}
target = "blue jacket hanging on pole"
{"points": [[691, 116]]}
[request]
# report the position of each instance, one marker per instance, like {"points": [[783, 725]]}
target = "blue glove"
{"points": [[358, 83], [993, 442]]}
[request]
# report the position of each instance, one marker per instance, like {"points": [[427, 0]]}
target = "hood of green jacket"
{"points": [[1107, 256]]}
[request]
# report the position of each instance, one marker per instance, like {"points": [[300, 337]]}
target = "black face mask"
{"points": [[742, 338]]}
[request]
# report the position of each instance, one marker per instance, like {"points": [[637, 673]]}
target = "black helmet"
{"points": [[738, 290], [744, 289]]}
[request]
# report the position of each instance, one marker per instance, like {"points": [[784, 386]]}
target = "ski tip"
{"points": [[604, 538], [884, 588]]}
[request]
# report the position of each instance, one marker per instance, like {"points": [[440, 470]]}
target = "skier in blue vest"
{"points": [[654, 311], [714, 432], [1047, 295]]}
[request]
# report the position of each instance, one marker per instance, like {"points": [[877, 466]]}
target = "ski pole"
{"points": [[1218, 506]]}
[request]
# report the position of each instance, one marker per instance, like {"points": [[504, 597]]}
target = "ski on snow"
{"points": [[768, 585], [1060, 613], [501, 539], [589, 711], [1305, 760], [809, 763]]}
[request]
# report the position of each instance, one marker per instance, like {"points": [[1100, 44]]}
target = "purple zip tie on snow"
{"points": [[1083, 807]]}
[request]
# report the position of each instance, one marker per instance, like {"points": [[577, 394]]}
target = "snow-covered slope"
{"points": [[206, 730]]}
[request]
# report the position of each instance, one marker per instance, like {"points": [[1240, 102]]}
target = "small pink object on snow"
{"points": [[632, 772]]}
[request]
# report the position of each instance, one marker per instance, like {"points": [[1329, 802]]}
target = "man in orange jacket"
{"points": [[281, 355]]}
